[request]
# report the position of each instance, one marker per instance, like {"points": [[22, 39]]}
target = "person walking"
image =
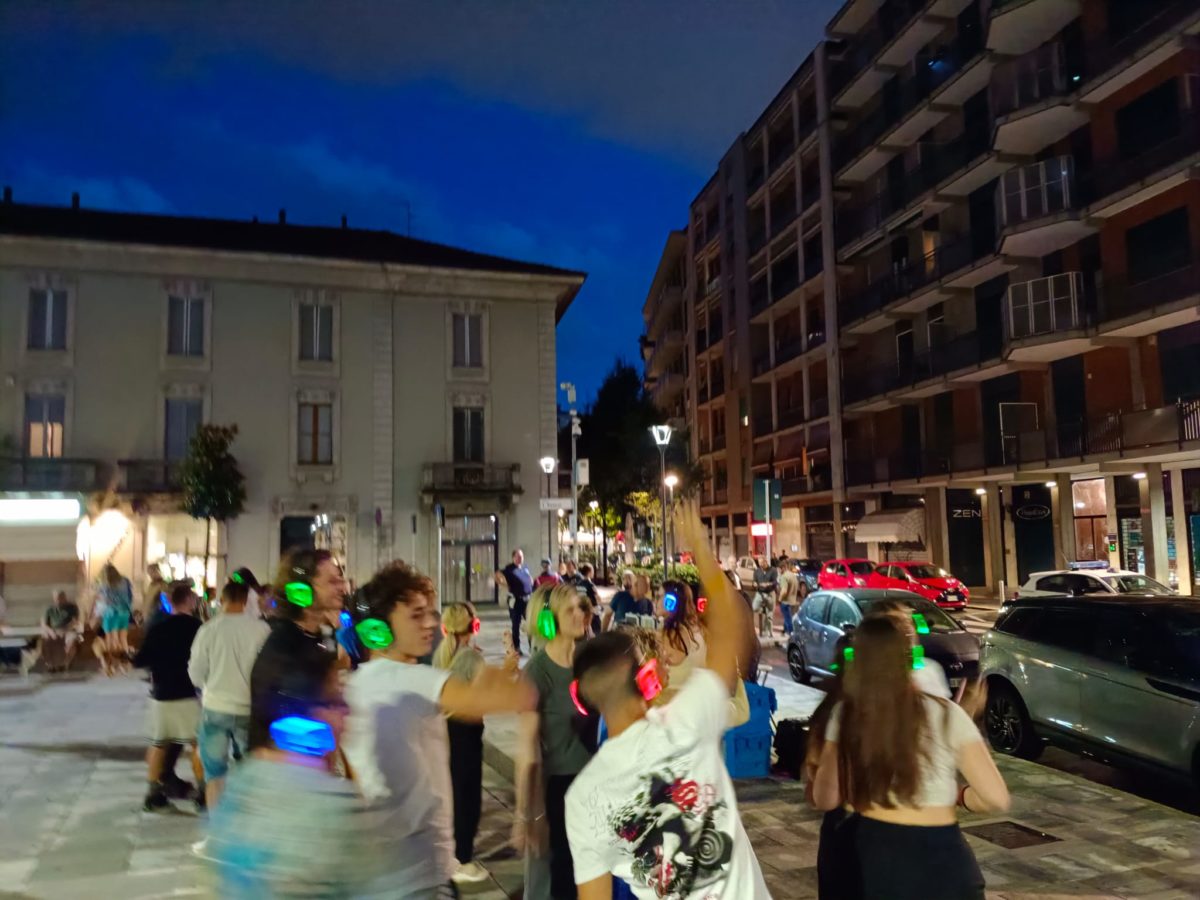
{"points": [[519, 583], [892, 754], [547, 577], [789, 593], [458, 655], [656, 806], [586, 587], [396, 738], [555, 741], [222, 658], [174, 711], [116, 595]]}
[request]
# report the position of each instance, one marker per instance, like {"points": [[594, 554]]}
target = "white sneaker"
{"points": [[200, 848], [470, 873]]}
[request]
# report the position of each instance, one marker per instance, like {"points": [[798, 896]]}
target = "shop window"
{"points": [[45, 420], [47, 319], [185, 326], [183, 417], [468, 340], [316, 332], [468, 434], [315, 444]]}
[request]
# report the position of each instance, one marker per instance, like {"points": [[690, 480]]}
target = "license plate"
{"points": [[955, 682]]}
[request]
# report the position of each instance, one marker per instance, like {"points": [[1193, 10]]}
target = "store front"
{"points": [[964, 536]]}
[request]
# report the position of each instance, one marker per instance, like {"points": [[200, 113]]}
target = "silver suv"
{"points": [[1117, 678]]}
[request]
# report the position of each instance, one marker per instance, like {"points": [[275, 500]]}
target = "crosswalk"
{"points": [[977, 622]]}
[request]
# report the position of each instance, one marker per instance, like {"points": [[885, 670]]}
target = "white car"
{"points": [[1076, 582]]}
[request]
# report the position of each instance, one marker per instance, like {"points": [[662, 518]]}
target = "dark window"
{"points": [[184, 415], [315, 446], [862, 568], [468, 434], [1148, 121], [842, 614], [1068, 628], [468, 341], [1082, 584], [316, 332], [816, 606], [185, 326], [47, 320], [1159, 246], [1055, 584], [1017, 621]]}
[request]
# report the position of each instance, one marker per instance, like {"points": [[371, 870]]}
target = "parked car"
{"points": [[745, 569], [845, 573], [1115, 677], [924, 579], [826, 615], [1077, 582], [809, 571]]}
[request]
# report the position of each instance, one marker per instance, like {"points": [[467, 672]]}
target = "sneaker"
{"points": [[176, 788], [199, 798], [156, 799], [470, 873], [200, 849]]}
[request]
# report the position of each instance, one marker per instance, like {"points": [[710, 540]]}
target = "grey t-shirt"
{"points": [[563, 733], [466, 663]]}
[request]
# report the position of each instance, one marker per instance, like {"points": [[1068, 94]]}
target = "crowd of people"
{"points": [[336, 740]]}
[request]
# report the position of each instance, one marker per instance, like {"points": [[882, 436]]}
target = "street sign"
{"points": [[763, 487], [548, 503], [582, 472]]}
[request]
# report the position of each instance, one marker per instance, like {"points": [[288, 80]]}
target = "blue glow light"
{"points": [[345, 619], [296, 734], [670, 603]]}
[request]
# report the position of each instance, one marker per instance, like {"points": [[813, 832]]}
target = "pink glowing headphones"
{"points": [[646, 681]]}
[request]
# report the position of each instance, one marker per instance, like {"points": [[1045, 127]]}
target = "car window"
{"points": [[1018, 620], [924, 571], [1085, 584], [815, 607], [1178, 653], [1068, 628], [861, 568], [842, 614], [810, 566], [1136, 584], [1121, 635], [1055, 584]]}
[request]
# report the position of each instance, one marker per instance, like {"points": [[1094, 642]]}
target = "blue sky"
{"points": [[569, 133]]}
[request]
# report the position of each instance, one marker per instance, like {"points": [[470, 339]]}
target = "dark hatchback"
{"points": [[826, 615]]}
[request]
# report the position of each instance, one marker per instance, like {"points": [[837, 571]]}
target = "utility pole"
{"points": [[576, 431]]}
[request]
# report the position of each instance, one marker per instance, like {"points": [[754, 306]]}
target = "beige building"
{"points": [[375, 381]]}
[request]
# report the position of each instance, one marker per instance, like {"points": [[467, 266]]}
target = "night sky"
{"points": [[569, 133]]}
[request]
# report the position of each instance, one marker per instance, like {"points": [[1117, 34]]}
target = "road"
{"points": [[1150, 786]]}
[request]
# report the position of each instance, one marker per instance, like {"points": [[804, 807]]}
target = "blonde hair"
{"points": [[456, 621], [558, 597]]}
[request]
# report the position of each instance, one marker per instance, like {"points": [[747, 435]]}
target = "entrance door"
{"points": [[1033, 529], [470, 557]]}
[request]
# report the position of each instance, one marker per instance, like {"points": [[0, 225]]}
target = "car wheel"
{"points": [[797, 665], [1009, 728]]}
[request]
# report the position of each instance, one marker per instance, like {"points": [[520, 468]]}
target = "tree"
{"points": [[214, 488]]}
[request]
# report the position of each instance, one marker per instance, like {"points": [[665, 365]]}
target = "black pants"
{"points": [[466, 778], [916, 862], [562, 868], [837, 859], [515, 615]]}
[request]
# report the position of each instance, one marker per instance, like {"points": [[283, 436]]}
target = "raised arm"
{"points": [[493, 690]]}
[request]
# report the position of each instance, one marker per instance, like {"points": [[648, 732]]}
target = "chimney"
{"points": [[343, 220], [75, 200], [283, 217], [8, 193]]}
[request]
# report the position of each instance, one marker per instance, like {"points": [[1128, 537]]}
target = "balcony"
{"points": [[1039, 208], [666, 349], [1150, 305], [858, 224], [80, 476], [1120, 56], [760, 297], [894, 35], [1118, 185], [1018, 26], [1045, 318], [470, 480], [971, 356], [149, 476], [763, 424], [780, 152], [713, 335], [790, 418], [1119, 434], [1032, 102], [667, 387], [967, 162], [761, 363], [666, 301]]}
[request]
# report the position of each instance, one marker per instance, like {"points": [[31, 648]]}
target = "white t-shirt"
{"points": [[931, 679], [397, 746], [656, 807], [223, 654]]}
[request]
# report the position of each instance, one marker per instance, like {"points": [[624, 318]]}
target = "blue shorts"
{"points": [[115, 620], [219, 736]]}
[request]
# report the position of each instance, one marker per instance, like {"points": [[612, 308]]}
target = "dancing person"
{"points": [[929, 677], [458, 655], [891, 753], [174, 710], [116, 594], [396, 738], [585, 586], [516, 579], [620, 604], [656, 806], [555, 743]]}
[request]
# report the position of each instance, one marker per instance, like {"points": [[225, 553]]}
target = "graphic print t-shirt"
{"points": [[656, 806]]}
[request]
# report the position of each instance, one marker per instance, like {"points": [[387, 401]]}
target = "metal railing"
{"points": [[1121, 298], [1045, 305], [760, 297], [763, 424], [1036, 190], [1038, 75], [1116, 175], [52, 474], [910, 277], [149, 475], [472, 477], [790, 417]]}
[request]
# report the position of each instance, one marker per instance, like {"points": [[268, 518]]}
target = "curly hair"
{"points": [[397, 582]]}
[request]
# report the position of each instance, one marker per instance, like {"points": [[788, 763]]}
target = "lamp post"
{"points": [[662, 437], [670, 481], [594, 505], [548, 463], [576, 433]]}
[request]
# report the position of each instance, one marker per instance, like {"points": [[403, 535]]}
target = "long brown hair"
{"points": [[681, 626], [819, 720], [883, 720]]}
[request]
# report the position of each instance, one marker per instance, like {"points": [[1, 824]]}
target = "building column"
{"points": [[1011, 573], [839, 539], [993, 531], [1153, 505], [1062, 504], [869, 506], [1183, 559], [1110, 522], [937, 535]]}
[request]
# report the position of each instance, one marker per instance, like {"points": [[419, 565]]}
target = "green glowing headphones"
{"points": [[299, 593], [547, 622], [374, 632], [917, 662]]}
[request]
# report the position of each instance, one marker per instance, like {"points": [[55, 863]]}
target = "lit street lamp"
{"points": [[670, 481], [662, 437], [548, 463]]}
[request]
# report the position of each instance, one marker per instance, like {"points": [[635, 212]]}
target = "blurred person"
{"points": [[656, 806], [156, 593], [396, 739], [929, 677], [555, 741], [516, 579], [255, 607], [60, 623], [222, 658], [288, 825], [766, 586], [585, 586], [116, 594], [173, 714], [546, 577], [632, 600], [458, 655], [892, 753], [789, 593]]}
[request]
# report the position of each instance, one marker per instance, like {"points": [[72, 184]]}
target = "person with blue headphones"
{"points": [[396, 738]]}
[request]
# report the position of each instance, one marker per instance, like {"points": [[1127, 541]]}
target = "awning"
{"points": [[891, 526]]}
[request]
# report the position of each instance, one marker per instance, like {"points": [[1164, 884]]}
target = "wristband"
{"points": [[962, 798]]}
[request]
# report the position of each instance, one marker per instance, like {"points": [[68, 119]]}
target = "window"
{"points": [[862, 568], [315, 445], [468, 341], [184, 415], [815, 607], [316, 332], [45, 415], [1018, 621], [1063, 627], [1148, 121], [842, 614], [468, 434], [185, 326], [1054, 584], [47, 319], [1159, 246]]}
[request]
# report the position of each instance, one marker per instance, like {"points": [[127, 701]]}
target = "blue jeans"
{"points": [[219, 735], [787, 610]]}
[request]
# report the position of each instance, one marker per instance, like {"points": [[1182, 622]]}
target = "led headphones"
{"points": [[297, 734], [374, 632], [547, 622], [701, 605], [345, 620], [670, 602], [917, 660], [646, 681], [237, 579], [473, 628], [299, 593]]}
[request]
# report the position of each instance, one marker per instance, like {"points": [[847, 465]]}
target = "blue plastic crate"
{"points": [[761, 698], [748, 756]]}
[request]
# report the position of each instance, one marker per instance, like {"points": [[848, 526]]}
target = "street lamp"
{"points": [[670, 481], [662, 437], [548, 463]]}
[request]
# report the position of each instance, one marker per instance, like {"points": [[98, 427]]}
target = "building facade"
{"points": [[993, 210], [386, 398]]}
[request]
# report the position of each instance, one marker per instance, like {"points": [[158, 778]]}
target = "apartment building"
{"points": [[1003, 214], [386, 400]]}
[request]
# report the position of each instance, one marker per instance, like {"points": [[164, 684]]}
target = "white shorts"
{"points": [[173, 721]]}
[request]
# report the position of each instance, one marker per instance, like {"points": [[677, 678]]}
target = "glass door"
{"points": [[470, 557]]}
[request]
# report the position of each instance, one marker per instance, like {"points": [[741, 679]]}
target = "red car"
{"points": [[923, 579], [845, 573]]}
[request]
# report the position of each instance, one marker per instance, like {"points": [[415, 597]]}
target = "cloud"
{"points": [[115, 192]]}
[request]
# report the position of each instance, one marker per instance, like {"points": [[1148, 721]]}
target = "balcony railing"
{"points": [[780, 152], [1121, 298], [761, 363], [763, 424], [713, 334], [810, 193], [1040, 74], [1114, 176], [909, 278], [1045, 306], [757, 239], [760, 297], [788, 349], [721, 495], [52, 474], [718, 442], [149, 476], [717, 385], [813, 266], [1037, 190], [782, 217], [471, 478], [1155, 18], [818, 402], [790, 417], [891, 18]]}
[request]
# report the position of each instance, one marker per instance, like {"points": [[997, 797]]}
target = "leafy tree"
{"points": [[214, 488]]}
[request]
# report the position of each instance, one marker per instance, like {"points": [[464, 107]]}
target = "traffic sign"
{"points": [[548, 503], [763, 487]]}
